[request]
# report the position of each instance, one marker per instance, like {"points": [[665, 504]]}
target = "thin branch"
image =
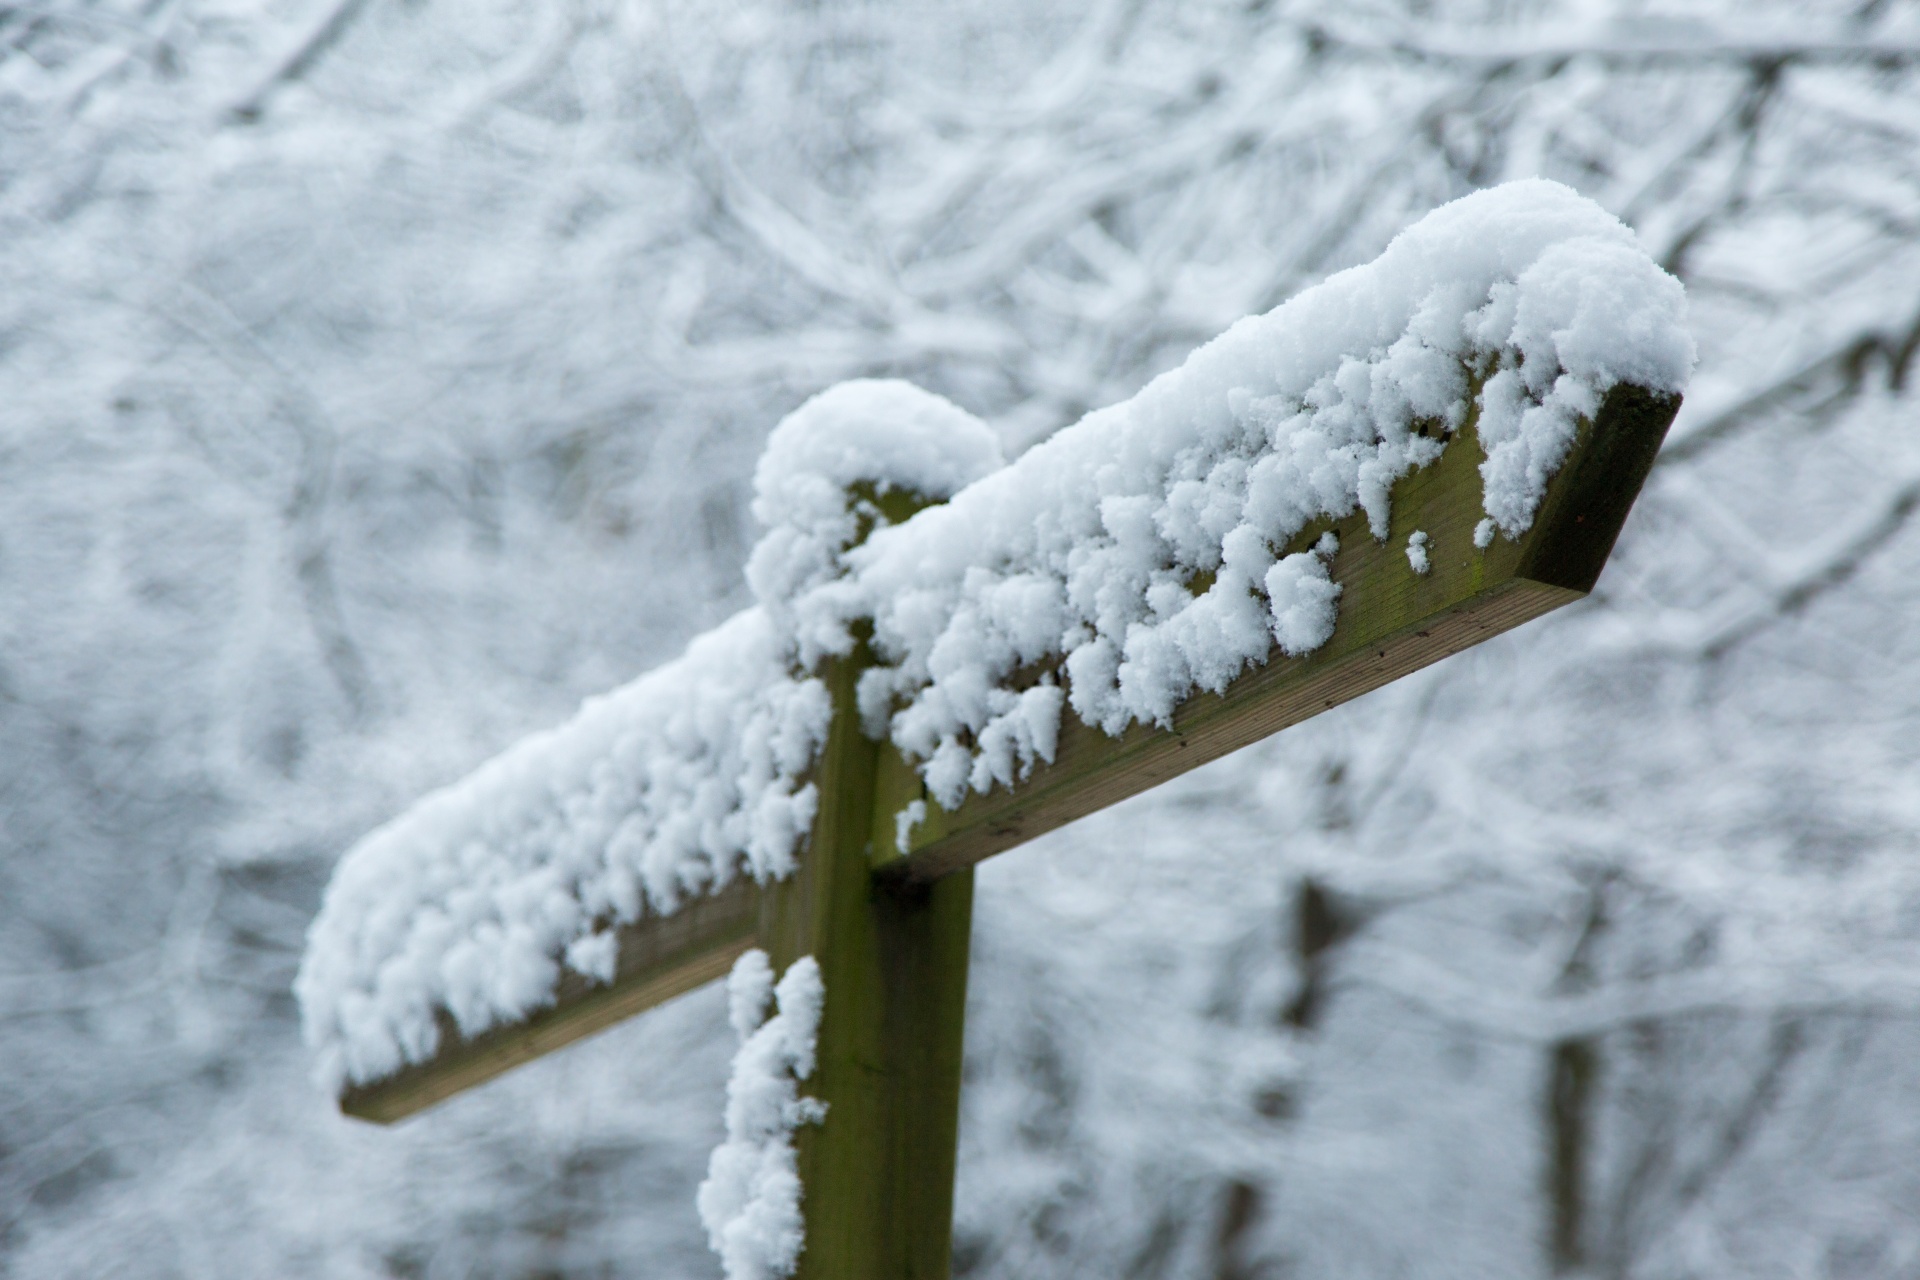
{"points": [[1821, 576], [1841, 372], [304, 57], [1618, 47]]}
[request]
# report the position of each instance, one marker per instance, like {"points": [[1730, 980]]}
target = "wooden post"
{"points": [[878, 1171]]}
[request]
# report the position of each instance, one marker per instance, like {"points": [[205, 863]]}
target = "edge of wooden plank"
{"points": [[1392, 621], [660, 957], [1587, 502], [1143, 758]]}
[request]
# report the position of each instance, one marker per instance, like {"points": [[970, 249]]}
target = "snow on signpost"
{"points": [[951, 655]]}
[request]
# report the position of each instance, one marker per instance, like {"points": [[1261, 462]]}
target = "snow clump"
{"points": [[750, 1202], [1417, 551], [886, 434]]}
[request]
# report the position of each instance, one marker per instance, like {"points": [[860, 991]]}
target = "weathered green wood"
{"points": [[1391, 621], [878, 1171]]}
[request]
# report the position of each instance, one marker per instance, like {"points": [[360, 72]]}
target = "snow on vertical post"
{"points": [[877, 1172], [750, 1202]]}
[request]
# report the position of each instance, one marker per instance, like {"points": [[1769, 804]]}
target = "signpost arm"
{"points": [[1392, 621]]}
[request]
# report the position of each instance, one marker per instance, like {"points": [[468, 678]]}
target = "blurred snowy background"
{"points": [[378, 377]]}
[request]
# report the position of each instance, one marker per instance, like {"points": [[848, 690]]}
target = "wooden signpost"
{"points": [[890, 929]]}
